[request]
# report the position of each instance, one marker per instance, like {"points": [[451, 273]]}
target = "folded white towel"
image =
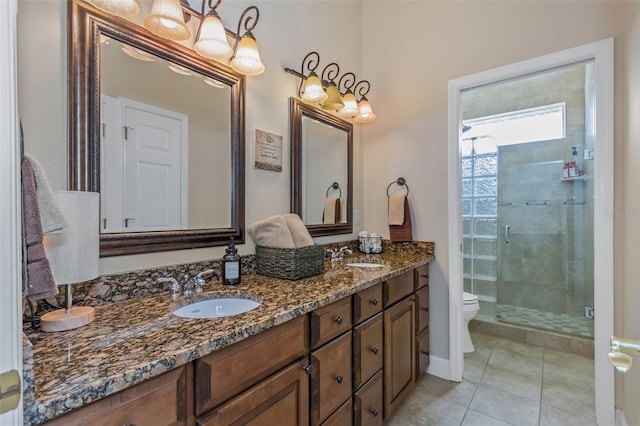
{"points": [[271, 232], [51, 217], [396, 209], [299, 232], [329, 215]]}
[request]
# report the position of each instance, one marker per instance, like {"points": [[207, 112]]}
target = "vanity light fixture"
{"points": [[342, 98], [168, 19]]}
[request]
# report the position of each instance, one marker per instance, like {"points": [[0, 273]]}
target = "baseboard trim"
{"points": [[439, 367], [620, 419]]}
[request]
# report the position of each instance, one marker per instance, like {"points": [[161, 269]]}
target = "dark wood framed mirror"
{"points": [[321, 168], [193, 194]]}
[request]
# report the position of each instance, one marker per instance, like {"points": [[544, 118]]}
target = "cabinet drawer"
{"points": [[367, 350], [282, 399], [397, 288], [330, 321], [342, 417], [422, 309], [367, 303], [225, 373], [421, 276], [331, 384], [368, 403], [166, 399], [422, 352]]}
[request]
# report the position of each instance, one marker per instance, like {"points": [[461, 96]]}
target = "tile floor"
{"points": [[506, 383]]}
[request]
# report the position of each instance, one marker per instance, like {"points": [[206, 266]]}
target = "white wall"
{"points": [[429, 43], [286, 32]]}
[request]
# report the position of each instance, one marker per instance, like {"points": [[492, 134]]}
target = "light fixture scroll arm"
{"points": [[362, 88], [330, 73], [346, 82], [248, 21]]}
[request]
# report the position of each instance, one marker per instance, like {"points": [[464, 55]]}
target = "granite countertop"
{"points": [[135, 340]]}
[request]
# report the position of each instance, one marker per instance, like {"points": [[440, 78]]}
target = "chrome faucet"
{"points": [[336, 254], [190, 284]]}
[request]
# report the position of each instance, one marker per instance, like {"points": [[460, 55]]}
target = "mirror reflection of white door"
{"points": [[146, 188]]}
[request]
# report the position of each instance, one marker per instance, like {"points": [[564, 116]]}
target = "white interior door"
{"points": [[602, 54], [154, 168], [10, 212]]}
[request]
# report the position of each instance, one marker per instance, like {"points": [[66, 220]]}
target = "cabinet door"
{"points": [[367, 350], [282, 399], [368, 403], [422, 276], [164, 400], [331, 383], [399, 355]]}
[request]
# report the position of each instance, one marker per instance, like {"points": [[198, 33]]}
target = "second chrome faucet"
{"points": [[189, 285]]}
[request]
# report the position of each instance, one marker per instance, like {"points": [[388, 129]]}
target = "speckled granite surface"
{"points": [[137, 339], [28, 392]]}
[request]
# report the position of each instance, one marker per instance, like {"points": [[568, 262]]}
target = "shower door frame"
{"points": [[601, 52]]}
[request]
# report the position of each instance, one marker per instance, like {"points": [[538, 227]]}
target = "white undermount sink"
{"points": [[216, 308], [365, 265]]}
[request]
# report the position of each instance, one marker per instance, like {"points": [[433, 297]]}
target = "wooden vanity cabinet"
{"points": [[397, 288], [422, 330], [368, 350], [166, 399], [367, 303], [330, 321]]}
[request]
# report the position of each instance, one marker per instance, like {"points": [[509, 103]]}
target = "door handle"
{"points": [[126, 221], [621, 360], [506, 234], [10, 391]]}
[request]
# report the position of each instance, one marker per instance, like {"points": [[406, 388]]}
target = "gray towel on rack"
{"points": [[38, 282], [51, 217]]}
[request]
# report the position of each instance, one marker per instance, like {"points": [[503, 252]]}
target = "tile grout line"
{"points": [[475, 390]]}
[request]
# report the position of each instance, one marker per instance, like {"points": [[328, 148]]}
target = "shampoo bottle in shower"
{"points": [[231, 265]]}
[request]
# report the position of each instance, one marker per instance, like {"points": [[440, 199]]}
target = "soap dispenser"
{"points": [[231, 265]]}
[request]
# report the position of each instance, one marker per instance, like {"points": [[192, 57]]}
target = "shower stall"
{"points": [[528, 218]]}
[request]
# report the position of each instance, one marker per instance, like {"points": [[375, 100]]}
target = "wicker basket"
{"points": [[290, 263]]}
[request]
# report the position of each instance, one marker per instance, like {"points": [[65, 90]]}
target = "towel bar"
{"points": [[400, 182]]}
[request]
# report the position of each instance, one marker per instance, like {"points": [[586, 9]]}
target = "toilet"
{"points": [[470, 308]]}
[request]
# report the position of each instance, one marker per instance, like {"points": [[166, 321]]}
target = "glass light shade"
{"points": [[124, 8], [167, 20], [212, 42], [334, 100], [247, 59], [365, 113], [313, 91], [350, 107]]}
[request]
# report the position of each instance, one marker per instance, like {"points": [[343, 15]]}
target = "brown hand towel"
{"points": [[39, 282], [402, 232]]}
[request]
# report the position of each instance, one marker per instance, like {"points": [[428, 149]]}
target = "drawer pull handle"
{"points": [[339, 319], [339, 379], [424, 276], [307, 369], [374, 302], [424, 352], [425, 309], [375, 413], [375, 351]]}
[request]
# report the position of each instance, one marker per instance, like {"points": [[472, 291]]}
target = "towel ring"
{"points": [[400, 182], [334, 185]]}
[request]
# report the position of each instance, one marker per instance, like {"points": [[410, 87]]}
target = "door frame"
{"points": [[10, 207], [601, 52]]}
